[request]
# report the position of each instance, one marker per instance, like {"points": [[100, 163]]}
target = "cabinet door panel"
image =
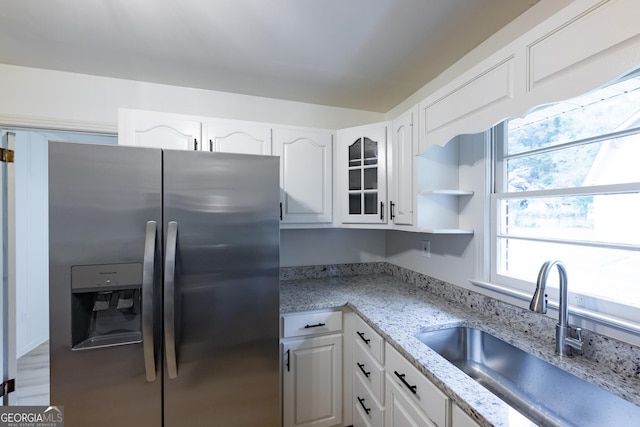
{"points": [[159, 130], [401, 171], [400, 411], [306, 175], [460, 419], [363, 174], [425, 394], [312, 381], [239, 138]]}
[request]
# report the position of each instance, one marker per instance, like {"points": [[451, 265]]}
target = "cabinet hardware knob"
{"points": [[361, 335], [366, 410], [413, 388], [317, 325], [361, 366]]}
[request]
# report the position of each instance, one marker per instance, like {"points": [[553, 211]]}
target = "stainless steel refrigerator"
{"points": [[163, 287]]}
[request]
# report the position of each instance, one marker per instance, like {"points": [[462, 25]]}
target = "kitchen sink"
{"points": [[544, 393]]}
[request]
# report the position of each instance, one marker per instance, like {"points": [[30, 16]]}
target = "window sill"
{"points": [[583, 313]]}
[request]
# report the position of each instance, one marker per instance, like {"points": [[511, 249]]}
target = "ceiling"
{"points": [[362, 54]]}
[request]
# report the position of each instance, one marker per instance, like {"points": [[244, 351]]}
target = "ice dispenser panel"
{"points": [[106, 305]]}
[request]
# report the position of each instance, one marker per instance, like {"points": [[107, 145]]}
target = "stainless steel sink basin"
{"points": [[545, 394]]}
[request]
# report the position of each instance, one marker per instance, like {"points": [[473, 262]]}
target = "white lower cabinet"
{"points": [[312, 370], [461, 419], [400, 410], [401, 374], [368, 412], [368, 375]]}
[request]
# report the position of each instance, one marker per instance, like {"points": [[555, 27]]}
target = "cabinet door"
{"points": [[306, 159], [400, 411], [401, 171], [158, 130], [363, 175], [312, 381], [238, 137], [460, 419]]}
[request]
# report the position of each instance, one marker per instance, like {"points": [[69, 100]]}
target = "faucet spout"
{"points": [[539, 301], [564, 340]]}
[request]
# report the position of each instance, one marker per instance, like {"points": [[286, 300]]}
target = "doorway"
{"points": [[29, 350]]}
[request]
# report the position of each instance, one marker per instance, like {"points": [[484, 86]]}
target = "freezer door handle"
{"points": [[169, 299], [148, 270]]}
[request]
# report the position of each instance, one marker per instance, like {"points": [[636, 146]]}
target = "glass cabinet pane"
{"points": [[370, 203], [355, 153], [370, 179], [363, 184], [355, 205], [355, 179], [370, 152]]}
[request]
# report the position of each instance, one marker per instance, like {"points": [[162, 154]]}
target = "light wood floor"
{"points": [[32, 380]]}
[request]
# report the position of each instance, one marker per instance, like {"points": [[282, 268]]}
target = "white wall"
{"points": [[32, 233], [330, 246], [454, 258], [55, 99], [32, 251], [516, 28]]}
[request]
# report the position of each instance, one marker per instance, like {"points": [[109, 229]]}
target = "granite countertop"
{"points": [[399, 310]]}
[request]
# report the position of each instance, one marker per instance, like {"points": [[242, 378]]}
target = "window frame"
{"points": [[609, 313]]}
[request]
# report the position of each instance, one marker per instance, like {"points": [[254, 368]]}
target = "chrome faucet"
{"points": [[564, 339]]}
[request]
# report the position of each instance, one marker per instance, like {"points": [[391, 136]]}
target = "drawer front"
{"points": [[317, 322], [369, 371], [371, 340], [366, 406], [433, 402]]}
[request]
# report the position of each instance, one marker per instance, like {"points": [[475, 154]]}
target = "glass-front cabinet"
{"points": [[363, 179]]}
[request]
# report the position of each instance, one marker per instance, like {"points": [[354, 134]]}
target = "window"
{"points": [[567, 187]]}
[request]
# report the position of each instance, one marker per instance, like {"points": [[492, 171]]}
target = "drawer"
{"points": [[368, 412], [316, 322], [369, 371], [433, 402], [372, 341]]}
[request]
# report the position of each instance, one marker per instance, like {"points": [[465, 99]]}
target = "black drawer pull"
{"points": [[413, 388], [361, 366], [366, 410], [317, 325], [361, 335]]}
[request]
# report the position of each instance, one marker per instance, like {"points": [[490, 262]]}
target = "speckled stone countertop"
{"points": [[399, 310]]}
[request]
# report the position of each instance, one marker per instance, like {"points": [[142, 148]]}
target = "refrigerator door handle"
{"points": [[169, 299], [148, 270]]}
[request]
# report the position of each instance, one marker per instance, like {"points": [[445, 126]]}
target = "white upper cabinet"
{"points": [[232, 136], [158, 130], [306, 159], [401, 160], [362, 174]]}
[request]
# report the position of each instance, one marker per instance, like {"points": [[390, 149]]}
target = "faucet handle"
{"points": [[574, 342], [578, 332]]}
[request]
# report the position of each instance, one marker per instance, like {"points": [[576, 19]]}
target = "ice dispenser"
{"points": [[106, 305]]}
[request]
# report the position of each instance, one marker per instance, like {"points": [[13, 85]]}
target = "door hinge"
{"points": [[7, 387], [6, 155]]}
